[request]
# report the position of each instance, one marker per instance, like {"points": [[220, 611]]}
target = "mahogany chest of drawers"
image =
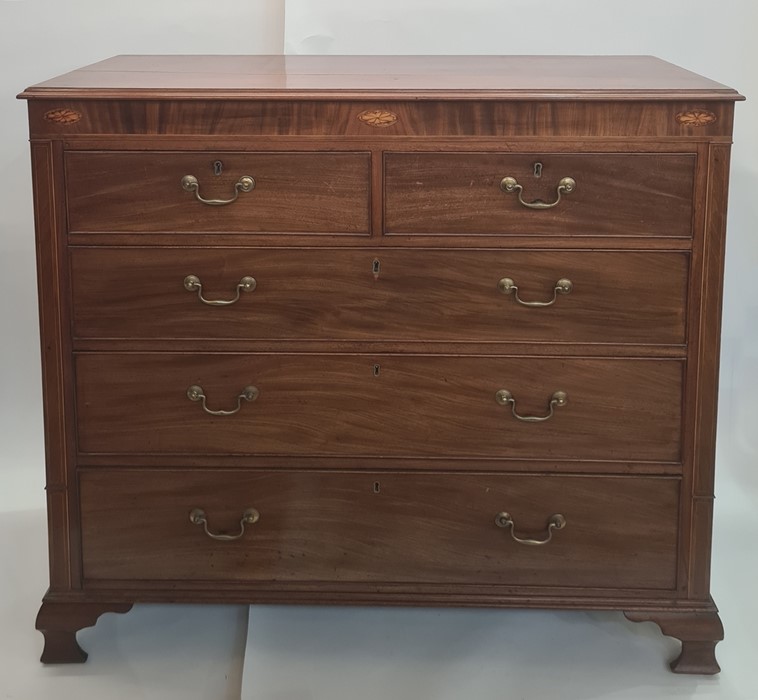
{"points": [[381, 330]]}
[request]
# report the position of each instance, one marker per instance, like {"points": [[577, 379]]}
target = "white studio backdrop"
{"points": [[42, 38]]}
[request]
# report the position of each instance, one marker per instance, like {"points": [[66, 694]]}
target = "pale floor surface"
{"points": [[199, 652]]}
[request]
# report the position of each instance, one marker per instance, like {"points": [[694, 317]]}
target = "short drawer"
{"points": [[611, 195], [380, 405], [314, 192], [599, 532], [382, 294]]}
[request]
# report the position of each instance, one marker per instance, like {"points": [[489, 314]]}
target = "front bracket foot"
{"points": [[699, 633], [60, 621]]}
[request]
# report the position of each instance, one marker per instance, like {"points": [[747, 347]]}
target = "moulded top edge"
{"points": [[383, 77], [725, 95]]}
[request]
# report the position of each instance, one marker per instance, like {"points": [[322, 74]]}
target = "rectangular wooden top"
{"points": [[382, 77]]}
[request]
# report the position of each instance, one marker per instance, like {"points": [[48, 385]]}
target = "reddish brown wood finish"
{"points": [[383, 377], [294, 192], [699, 633], [326, 77], [620, 532], [514, 120], [57, 373], [421, 295], [460, 193], [59, 622], [432, 406]]}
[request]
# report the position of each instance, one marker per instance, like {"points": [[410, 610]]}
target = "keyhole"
{"points": [[377, 487], [376, 266], [376, 370], [538, 170], [218, 167]]}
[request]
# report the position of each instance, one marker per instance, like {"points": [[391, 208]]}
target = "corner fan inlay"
{"points": [[696, 117], [63, 116]]}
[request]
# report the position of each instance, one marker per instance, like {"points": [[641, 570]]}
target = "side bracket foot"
{"points": [[60, 621], [699, 633]]}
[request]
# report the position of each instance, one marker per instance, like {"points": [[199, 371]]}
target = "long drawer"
{"points": [[601, 532], [613, 194], [382, 294], [314, 192], [380, 405]]}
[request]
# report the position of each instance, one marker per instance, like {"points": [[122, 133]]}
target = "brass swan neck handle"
{"points": [[510, 184], [563, 286], [558, 400], [192, 283], [191, 184], [197, 393], [555, 522], [249, 517]]}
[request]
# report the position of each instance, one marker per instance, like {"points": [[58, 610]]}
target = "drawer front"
{"points": [[293, 192], [618, 532], [405, 295], [380, 405], [614, 194]]}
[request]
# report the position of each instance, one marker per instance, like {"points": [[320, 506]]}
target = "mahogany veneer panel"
{"points": [[427, 118], [335, 405], [414, 118], [620, 532], [294, 192], [416, 295], [615, 195]]}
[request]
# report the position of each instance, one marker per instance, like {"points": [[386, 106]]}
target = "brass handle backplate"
{"points": [[557, 400], [562, 286], [244, 184], [249, 517], [196, 393], [556, 522], [192, 283], [510, 184]]}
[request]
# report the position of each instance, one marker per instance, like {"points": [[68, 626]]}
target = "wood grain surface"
{"points": [[376, 336], [414, 295], [615, 195], [294, 192], [327, 77], [428, 406], [440, 528], [512, 118]]}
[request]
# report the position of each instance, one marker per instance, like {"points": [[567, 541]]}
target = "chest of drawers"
{"points": [[381, 330]]}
